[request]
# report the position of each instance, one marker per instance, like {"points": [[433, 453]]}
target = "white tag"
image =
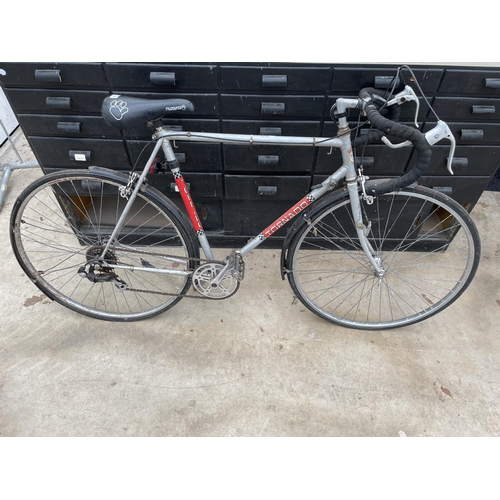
{"points": [[176, 188], [80, 157], [114, 96]]}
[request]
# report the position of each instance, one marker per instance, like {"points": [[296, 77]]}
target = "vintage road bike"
{"points": [[361, 253]]}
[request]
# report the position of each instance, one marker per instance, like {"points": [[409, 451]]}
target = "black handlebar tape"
{"points": [[389, 127], [373, 135]]}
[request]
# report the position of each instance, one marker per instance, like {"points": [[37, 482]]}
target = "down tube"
{"points": [[278, 223]]}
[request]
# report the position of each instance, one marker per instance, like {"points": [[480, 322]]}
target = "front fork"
{"points": [[363, 230], [353, 189]]}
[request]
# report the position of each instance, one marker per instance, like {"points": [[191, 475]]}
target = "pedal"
{"points": [[236, 265]]}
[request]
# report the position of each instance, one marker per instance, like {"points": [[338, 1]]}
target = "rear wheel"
{"points": [[61, 224], [425, 242]]}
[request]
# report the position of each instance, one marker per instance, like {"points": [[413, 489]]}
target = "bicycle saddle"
{"points": [[125, 112]]}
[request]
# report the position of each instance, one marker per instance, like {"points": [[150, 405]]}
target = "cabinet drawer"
{"points": [[354, 79], [80, 153], [53, 74], [407, 110], [473, 109], [66, 125], [463, 81], [464, 190], [243, 78], [181, 124], [273, 106], [55, 101], [200, 185], [261, 127], [471, 133], [204, 104], [252, 187], [467, 160], [268, 158], [250, 218], [209, 211], [376, 160], [170, 77], [191, 155]]}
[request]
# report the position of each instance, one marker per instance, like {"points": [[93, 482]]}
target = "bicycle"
{"points": [[369, 254]]}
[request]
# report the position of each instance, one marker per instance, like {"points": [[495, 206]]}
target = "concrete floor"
{"points": [[257, 364]]}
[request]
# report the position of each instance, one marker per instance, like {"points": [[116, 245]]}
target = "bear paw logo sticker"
{"points": [[118, 109]]}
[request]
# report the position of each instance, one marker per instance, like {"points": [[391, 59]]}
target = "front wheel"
{"points": [[425, 242], [61, 224]]}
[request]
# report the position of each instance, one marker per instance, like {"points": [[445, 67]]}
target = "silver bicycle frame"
{"points": [[347, 171]]}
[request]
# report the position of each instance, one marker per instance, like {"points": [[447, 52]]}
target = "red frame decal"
{"points": [[188, 203], [286, 217]]}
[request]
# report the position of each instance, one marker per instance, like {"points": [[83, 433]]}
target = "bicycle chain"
{"points": [[185, 295]]}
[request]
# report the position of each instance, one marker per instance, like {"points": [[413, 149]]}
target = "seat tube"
{"points": [[173, 164]]}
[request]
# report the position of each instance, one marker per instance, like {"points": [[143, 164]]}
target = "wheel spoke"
{"points": [[62, 226], [426, 245]]}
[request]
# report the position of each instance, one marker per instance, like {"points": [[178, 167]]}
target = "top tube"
{"points": [[329, 142]]}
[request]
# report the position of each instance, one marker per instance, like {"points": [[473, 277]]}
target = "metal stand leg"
{"points": [[9, 167], [7, 172]]}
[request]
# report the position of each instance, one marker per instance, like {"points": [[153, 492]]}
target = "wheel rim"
{"points": [[62, 224], [341, 286]]}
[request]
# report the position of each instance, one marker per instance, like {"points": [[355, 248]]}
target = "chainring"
{"points": [[203, 278]]}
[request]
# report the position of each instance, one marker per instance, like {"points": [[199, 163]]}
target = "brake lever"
{"points": [[439, 132], [408, 94]]}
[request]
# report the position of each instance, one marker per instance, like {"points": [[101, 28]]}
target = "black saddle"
{"points": [[127, 112]]}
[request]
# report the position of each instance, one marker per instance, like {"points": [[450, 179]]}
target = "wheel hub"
{"points": [[97, 271], [94, 253]]}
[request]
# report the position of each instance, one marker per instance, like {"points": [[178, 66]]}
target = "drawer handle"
{"points": [[268, 160], [158, 78], [69, 127], [175, 189], [48, 75], [272, 108], [492, 83], [267, 190], [181, 157], [479, 110], [385, 81], [270, 131], [470, 134], [366, 161], [80, 155], [58, 102], [459, 162], [274, 80]]}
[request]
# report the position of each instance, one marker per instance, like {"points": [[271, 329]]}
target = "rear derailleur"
{"points": [[97, 270]]}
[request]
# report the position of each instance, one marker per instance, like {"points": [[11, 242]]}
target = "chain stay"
{"points": [[197, 259]]}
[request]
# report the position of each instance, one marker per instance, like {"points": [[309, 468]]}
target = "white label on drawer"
{"points": [[80, 157]]}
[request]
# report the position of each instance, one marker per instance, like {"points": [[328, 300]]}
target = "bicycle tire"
{"points": [[427, 244], [60, 225]]}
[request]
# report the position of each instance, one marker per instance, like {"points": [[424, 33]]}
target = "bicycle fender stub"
{"points": [[301, 221]]}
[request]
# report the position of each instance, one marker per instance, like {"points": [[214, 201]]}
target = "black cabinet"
{"points": [[240, 189]]}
